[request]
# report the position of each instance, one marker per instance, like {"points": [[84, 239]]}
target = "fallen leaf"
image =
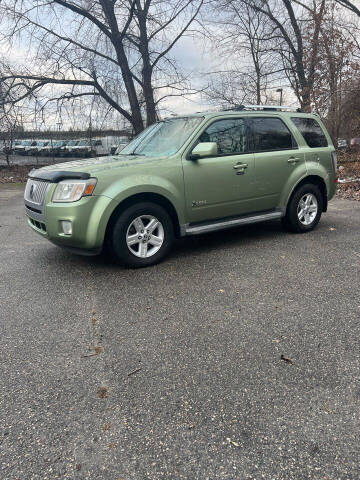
{"points": [[103, 392], [287, 360], [112, 445], [232, 442], [78, 466], [97, 351], [106, 427]]}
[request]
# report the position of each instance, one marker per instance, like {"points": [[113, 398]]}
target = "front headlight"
{"points": [[73, 190]]}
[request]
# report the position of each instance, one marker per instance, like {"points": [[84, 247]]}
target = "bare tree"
{"points": [[337, 67], [10, 124], [350, 6], [117, 50], [242, 35], [288, 18]]}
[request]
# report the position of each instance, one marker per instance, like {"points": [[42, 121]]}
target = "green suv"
{"points": [[187, 176]]}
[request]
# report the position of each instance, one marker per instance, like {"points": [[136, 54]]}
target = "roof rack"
{"points": [[265, 107]]}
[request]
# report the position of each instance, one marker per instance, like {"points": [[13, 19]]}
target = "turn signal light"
{"points": [[89, 189]]}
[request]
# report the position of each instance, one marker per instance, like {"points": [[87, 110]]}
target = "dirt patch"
{"points": [[349, 191], [14, 173], [349, 181]]}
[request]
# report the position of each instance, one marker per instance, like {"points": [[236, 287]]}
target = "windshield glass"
{"points": [[163, 138], [83, 143], [120, 147]]}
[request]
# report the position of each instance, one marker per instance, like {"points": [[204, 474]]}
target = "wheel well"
{"points": [[145, 197], [316, 181]]}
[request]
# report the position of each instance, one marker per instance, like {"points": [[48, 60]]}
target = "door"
{"points": [[222, 185], [276, 157]]}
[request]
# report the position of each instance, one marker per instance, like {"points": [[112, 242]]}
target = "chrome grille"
{"points": [[35, 191]]}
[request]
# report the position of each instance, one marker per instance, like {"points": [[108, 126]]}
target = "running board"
{"points": [[233, 222]]}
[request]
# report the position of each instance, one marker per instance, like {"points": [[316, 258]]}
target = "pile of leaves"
{"points": [[349, 177], [14, 173]]}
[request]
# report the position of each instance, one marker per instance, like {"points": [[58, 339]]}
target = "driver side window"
{"points": [[230, 135]]}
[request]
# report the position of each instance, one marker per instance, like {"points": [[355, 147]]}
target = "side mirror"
{"points": [[204, 149]]}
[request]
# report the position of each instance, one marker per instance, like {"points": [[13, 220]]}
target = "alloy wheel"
{"points": [[307, 209], [145, 236]]}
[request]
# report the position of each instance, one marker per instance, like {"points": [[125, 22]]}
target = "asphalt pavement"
{"points": [[237, 358]]}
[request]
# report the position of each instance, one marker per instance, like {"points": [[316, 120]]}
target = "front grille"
{"points": [[39, 225], [35, 191], [33, 209]]}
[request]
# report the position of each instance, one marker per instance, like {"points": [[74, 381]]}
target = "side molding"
{"points": [[194, 229]]}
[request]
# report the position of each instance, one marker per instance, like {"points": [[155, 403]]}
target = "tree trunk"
{"points": [[147, 70]]}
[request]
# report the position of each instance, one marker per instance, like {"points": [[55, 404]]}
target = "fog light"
{"points": [[66, 227]]}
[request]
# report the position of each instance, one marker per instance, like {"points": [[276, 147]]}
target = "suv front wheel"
{"points": [[304, 209], [142, 235]]}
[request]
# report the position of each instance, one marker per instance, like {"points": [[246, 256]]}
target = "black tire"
{"points": [[291, 220], [117, 235]]}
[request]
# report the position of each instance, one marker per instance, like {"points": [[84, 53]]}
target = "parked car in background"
{"points": [[67, 149], [24, 147], [186, 176], [81, 149], [96, 147], [355, 144], [37, 149], [53, 148], [7, 147]]}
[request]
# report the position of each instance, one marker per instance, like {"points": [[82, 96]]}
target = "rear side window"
{"points": [[271, 134], [311, 131], [230, 136]]}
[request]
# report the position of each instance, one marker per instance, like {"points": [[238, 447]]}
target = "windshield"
{"points": [[73, 142], [120, 147], [163, 138], [83, 143]]}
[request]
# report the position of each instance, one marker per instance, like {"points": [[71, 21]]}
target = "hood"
{"points": [[95, 166]]}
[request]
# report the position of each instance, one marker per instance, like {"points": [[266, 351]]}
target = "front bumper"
{"points": [[89, 217]]}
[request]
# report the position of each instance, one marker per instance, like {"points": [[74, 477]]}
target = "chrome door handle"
{"points": [[240, 165], [293, 160]]}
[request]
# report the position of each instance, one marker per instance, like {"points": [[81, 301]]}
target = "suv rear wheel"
{"points": [[304, 209], [142, 235]]}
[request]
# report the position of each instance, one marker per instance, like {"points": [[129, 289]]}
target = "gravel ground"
{"points": [[237, 358]]}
